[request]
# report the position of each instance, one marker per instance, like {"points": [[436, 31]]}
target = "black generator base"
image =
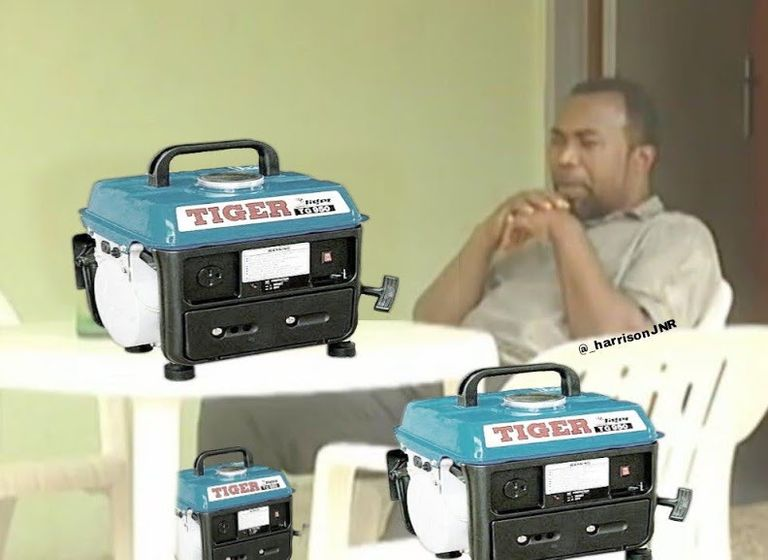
{"points": [[179, 372], [640, 554], [223, 539], [343, 349], [510, 500], [231, 315], [140, 349]]}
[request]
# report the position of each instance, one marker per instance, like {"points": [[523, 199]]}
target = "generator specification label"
{"points": [[280, 261], [260, 210], [246, 488], [576, 476], [567, 427], [252, 518]]}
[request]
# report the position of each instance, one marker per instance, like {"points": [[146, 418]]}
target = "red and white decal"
{"points": [[246, 488], [259, 210], [567, 427]]}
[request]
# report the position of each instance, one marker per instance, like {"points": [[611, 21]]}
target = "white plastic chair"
{"points": [[714, 318], [717, 314], [706, 390], [336, 467], [8, 318], [106, 472], [8, 315]]}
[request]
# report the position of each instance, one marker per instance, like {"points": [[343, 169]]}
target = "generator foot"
{"points": [[640, 554], [454, 554], [140, 349], [179, 372], [343, 349]]}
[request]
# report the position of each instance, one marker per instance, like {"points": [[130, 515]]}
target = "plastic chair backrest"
{"points": [[8, 316], [717, 313], [688, 381]]}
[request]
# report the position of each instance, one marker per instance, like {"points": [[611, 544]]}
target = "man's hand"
{"points": [[459, 287], [542, 225], [524, 216]]}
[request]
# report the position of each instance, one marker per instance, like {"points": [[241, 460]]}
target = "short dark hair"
{"points": [[642, 116]]}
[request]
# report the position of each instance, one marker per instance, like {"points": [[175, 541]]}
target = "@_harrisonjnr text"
{"points": [[629, 337]]}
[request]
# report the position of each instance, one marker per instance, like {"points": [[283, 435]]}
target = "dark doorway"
{"points": [[706, 64]]}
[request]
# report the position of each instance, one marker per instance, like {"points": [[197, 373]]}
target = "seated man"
{"points": [[598, 255]]}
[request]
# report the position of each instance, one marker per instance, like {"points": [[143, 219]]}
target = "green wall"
{"points": [[428, 111]]}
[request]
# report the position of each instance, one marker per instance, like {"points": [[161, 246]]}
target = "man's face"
{"points": [[589, 155]]}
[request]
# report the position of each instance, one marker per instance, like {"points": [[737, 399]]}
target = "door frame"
{"points": [[576, 52]]}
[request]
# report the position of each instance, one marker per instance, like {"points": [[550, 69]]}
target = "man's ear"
{"points": [[645, 157]]}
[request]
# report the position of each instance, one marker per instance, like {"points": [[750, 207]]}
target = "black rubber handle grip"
{"points": [[159, 173], [200, 461], [569, 381]]}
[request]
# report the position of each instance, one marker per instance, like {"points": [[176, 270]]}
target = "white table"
{"points": [[51, 358]]}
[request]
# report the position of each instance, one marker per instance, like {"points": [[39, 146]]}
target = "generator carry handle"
{"points": [[160, 166], [200, 461], [569, 381]]}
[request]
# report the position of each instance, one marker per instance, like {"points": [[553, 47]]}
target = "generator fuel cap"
{"points": [[231, 181], [533, 400], [231, 470]]}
